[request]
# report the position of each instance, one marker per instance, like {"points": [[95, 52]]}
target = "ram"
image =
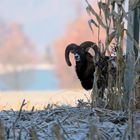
{"points": [[85, 65]]}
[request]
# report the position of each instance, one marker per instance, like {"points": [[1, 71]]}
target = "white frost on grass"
{"points": [[65, 123]]}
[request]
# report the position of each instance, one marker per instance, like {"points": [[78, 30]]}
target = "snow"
{"points": [[65, 123]]}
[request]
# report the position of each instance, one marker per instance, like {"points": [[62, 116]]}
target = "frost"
{"points": [[65, 123]]}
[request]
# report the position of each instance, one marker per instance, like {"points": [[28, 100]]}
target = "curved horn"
{"points": [[88, 44], [69, 48]]}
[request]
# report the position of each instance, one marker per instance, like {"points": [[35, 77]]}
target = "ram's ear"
{"points": [[88, 44], [91, 51], [89, 57]]}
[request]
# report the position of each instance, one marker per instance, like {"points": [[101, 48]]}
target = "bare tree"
{"points": [[16, 51]]}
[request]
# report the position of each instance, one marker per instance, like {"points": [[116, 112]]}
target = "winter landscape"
{"points": [[65, 123], [70, 70]]}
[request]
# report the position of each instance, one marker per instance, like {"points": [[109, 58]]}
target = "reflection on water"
{"points": [[31, 80]]}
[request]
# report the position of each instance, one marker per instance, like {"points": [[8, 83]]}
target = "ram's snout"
{"points": [[77, 57]]}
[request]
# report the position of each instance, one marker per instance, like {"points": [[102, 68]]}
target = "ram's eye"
{"points": [[77, 57]]}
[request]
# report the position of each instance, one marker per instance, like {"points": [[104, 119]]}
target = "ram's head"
{"points": [[81, 52]]}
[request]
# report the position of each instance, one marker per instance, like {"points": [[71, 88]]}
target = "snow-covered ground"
{"points": [[57, 121], [10, 68], [64, 123]]}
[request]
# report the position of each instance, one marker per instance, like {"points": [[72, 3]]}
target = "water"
{"points": [[30, 80]]}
